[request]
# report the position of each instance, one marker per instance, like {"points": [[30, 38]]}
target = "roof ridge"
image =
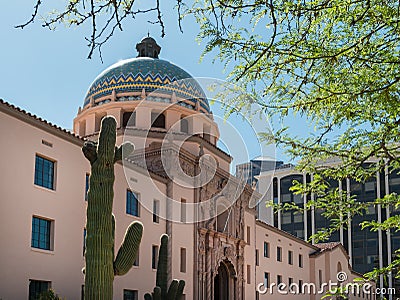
{"points": [[40, 119]]}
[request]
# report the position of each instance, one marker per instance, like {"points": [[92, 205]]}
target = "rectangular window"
{"points": [[290, 257], [132, 203], [184, 125], [36, 287], [82, 292], [86, 186], [131, 295], [84, 241], [136, 262], [257, 258], [183, 210], [154, 256], [300, 260], [183, 260], [248, 235], [41, 233], [278, 253], [300, 286], [290, 281], [248, 274], [44, 172], [320, 278], [266, 249], [266, 280], [279, 279], [156, 211]]}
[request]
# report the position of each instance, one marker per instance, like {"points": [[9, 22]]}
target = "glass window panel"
{"points": [[370, 186], [130, 295], [286, 218], [286, 198], [298, 217], [132, 203], [44, 172], [40, 233], [298, 199]]}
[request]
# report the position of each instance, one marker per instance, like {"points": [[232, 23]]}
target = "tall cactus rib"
{"points": [[100, 267]]}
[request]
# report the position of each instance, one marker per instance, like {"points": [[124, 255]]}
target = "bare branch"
{"points": [[93, 37], [32, 19], [160, 21], [179, 6]]}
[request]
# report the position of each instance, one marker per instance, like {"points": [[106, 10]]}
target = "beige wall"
{"points": [[272, 266], [21, 199], [249, 255]]}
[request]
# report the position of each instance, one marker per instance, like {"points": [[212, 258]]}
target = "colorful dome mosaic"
{"points": [[151, 74]]}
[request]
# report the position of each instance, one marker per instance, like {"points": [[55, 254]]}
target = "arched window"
{"points": [[223, 215], [157, 120], [82, 128], [98, 122], [206, 133], [339, 267], [184, 125], [129, 119]]}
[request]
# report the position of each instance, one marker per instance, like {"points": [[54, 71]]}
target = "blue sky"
{"points": [[48, 73]]}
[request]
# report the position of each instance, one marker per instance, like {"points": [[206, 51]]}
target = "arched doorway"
{"points": [[224, 282]]}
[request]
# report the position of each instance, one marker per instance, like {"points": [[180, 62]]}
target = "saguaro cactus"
{"points": [[100, 266], [161, 291]]}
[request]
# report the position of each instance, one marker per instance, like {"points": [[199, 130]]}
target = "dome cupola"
{"points": [[129, 79], [148, 47], [147, 93]]}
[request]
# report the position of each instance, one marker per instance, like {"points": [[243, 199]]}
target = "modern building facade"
{"points": [[367, 250], [250, 170], [216, 245]]}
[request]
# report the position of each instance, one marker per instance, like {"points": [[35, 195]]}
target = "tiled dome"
{"points": [[149, 73]]}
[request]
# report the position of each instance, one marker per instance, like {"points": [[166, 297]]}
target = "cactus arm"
{"points": [[123, 151], [129, 249], [173, 289], [162, 277], [147, 296], [89, 150], [157, 293], [181, 286]]}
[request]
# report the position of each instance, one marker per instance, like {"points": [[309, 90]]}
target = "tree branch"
{"points": [[32, 19]]}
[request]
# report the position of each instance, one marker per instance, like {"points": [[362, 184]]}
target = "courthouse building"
{"points": [[225, 254]]}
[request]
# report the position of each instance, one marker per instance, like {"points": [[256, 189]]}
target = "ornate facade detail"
{"points": [[187, 167], [215, 248]]}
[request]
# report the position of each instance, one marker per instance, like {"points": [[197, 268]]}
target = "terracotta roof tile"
{"points": [[37, 118], [327, 246]]}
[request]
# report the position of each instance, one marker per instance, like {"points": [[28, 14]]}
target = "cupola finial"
{"points": [[148, 47]]}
